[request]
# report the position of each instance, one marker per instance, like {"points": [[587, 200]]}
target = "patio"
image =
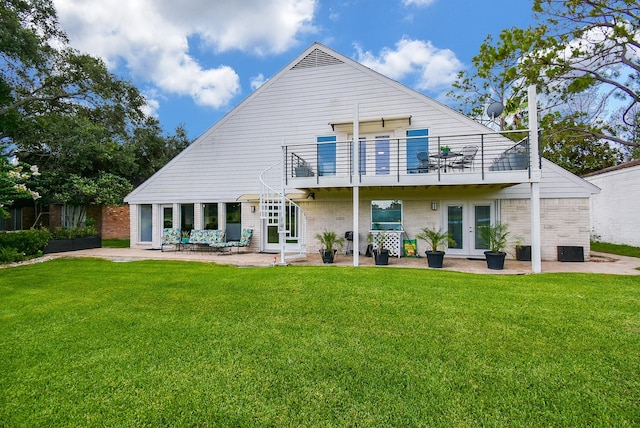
{"points": [[599, 263]]}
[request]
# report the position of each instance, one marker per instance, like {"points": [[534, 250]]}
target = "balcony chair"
{"points": [[467, 158], [424, 164]]}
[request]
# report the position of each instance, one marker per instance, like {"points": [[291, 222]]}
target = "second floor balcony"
{"points": [[489, 159]]}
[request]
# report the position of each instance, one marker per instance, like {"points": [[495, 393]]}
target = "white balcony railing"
{"points": [[480, 158]]}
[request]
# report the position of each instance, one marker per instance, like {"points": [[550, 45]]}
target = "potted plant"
{"points": [[330, 243], [445, 150], [435, 238], [523, 252], [495, 236], [380, 254]]}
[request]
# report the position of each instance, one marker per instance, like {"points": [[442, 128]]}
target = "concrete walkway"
{"points": [[599, 263]]}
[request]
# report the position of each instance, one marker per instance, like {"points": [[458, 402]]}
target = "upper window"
{"points": [[386, 215], [417, 142], [327, 155]]}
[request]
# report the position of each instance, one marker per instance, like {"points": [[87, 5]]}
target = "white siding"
{"points": [[295, 106], [556, 182], [615, 211]]}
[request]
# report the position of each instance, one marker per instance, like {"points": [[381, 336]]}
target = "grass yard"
{"points": [[621, 250], [88, 342]]}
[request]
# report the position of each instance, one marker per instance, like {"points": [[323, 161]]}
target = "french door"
{"points": [[464, 221]]}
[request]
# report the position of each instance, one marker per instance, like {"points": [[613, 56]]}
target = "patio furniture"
{"points": [[447, 158], [171, 236], [425, 165], [216, 240], [466, 159], [245, 240]]}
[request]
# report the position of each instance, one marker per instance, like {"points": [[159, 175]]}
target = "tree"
{"points": [[588, 44], [581, 58], [41, 75], [64, 111], [13, 179]]}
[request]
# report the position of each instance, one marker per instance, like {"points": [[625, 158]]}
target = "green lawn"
{"points": [[621, 250], [159, 343]]}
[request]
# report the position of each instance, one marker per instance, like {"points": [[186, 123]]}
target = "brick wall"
{"points": [[115, 222], [564, 222]]}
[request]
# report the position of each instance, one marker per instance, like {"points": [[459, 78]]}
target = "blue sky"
{"points": [[196, 59]]}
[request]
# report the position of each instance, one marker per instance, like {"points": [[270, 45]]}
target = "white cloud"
{"points": [[433, 68], [257, 81], [151, 37], [419, 3]]}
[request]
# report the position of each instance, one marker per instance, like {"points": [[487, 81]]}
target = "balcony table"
{"points": [[445, 157]]}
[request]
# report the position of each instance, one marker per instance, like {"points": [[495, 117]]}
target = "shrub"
{"points": [[74, 232], [9, 255], [22, 244]]}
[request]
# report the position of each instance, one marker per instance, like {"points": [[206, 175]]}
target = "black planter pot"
{"points": [[495, 260], [327, 256], [523, 253], [62, 245], [381, 257], [435, 259]]}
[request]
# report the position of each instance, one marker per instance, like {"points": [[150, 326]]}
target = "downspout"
{"points": [[534, 168], [356, 185]]}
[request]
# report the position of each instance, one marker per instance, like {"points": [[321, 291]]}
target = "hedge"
{"points": [[22, 244]]}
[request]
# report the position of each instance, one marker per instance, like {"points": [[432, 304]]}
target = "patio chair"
{"points": [[245, 240], [467, 158], [216, 240], [171, 236], [424, 164]]}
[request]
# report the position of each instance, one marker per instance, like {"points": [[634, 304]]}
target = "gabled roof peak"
{"points": [[316, 58]]}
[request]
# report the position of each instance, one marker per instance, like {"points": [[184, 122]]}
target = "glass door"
{"points": [[464, 220], [167, 216]]}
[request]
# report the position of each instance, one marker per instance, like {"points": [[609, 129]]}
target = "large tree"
{"points": [[63, 111], [584, 58]]}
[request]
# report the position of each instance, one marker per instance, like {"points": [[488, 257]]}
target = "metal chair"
{"points": [[425, 165], [467, 158]]}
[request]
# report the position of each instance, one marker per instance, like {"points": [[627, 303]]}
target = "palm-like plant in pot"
{"points": [[435, 239], [495, 236], [380, 254], [330, 243]]}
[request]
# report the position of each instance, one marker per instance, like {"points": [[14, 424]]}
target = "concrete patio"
{"points": [[599, 263]]}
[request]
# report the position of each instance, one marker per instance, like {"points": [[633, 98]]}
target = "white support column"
{"points": [[282, 233], [536, 260], [356, 184]]}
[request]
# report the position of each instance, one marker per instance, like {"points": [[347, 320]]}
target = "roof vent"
{"points": [[316, 58]]}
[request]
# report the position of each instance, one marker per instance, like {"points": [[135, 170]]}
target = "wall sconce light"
{"points": [[434, 206], [253, 208]]}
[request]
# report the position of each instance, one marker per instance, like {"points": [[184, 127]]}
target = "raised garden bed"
{"points": [[62, 245]]}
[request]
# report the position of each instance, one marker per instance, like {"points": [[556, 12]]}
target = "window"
{"points": [[145, 223], [386, 215], [417, 142], [167, 216], [14, 221], [327, 155], [210, 216], [382, 155], [234, 221], [186, 217]]}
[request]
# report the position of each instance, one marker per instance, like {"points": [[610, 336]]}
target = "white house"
{"points": [[281, 163], [615, 210]]}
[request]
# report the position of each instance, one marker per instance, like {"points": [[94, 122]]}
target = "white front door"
{"points": [[464, 221]]}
